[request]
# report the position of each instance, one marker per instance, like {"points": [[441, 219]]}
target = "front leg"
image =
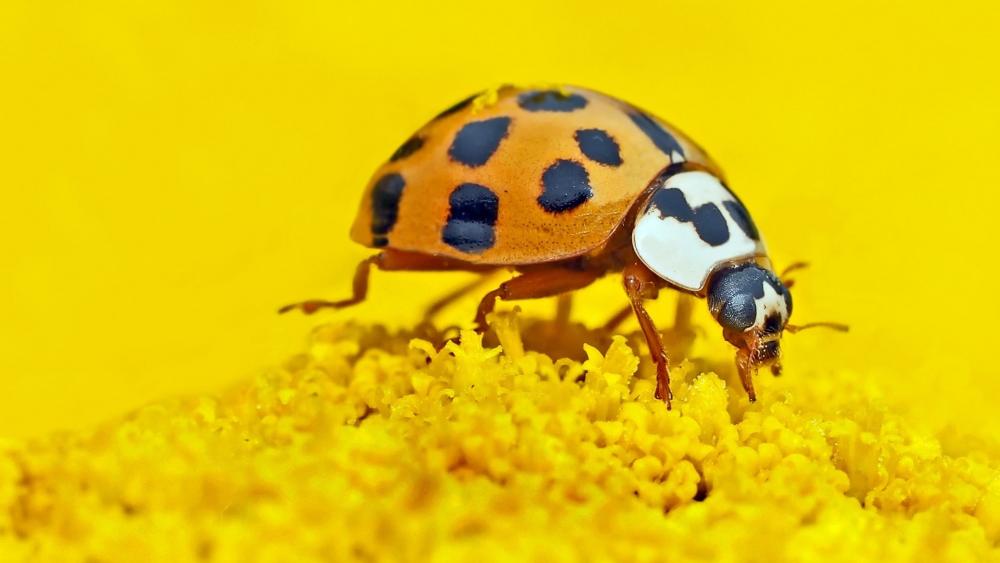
{"points": [[641, 284], [745, 367], [680, 337]]}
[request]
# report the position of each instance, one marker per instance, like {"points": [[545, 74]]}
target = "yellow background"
{"points": [[173, 171]]}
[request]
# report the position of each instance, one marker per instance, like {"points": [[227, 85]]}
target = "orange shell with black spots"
{"points": [[414, 216]]}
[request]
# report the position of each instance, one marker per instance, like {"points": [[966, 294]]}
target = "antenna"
{"points": [[792, 267], [833, 326]]}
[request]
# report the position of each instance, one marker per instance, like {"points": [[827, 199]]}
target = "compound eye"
{"points": [[739, 313]]}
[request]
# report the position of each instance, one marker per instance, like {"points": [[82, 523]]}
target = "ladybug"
{"points": [[563, 186]]}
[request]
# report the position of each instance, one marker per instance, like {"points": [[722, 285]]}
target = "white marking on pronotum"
{"points": [[673, 250], [771, 302]]}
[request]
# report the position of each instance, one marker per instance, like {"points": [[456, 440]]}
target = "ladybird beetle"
{"points": [[564, 185]]}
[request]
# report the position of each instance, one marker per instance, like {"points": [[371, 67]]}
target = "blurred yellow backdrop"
{"points": [[174, 171]]}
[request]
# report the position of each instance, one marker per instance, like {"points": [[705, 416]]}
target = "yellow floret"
{"points": [[489, 97], [378, 446]]}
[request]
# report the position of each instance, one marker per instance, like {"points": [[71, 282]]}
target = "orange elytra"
{"points": [[564, 185]]}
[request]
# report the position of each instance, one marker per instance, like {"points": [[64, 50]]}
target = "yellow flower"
{"points": [[379, 446]]}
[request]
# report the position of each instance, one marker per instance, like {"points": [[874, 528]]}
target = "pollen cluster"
{"points": [[373, 445]]}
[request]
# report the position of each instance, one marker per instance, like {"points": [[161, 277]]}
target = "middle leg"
{"points": [[447, 299], [546, 282], [388, 260]]}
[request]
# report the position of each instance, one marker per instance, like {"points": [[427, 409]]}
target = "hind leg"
{"points": [[532, 285], [387, 260], [358, 295]]}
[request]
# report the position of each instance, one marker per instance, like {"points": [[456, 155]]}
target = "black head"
{"points": [[753, 307]]}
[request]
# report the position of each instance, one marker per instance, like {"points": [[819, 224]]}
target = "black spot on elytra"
{"points": [[476, 142], [385, 206], [740, 214], [565, 186], [708, 221], [550, 100], [412, 145], [663, 140], [457, 107], [471, 218], [598, 146]]}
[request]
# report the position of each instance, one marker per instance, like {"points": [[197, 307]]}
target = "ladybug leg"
{"points": [[617, 319], [532, 285], [682, 317], [564, 308], [447, 299], [745, 367], [684, 332], [388, 260], [358, 295], [641, 284]]}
